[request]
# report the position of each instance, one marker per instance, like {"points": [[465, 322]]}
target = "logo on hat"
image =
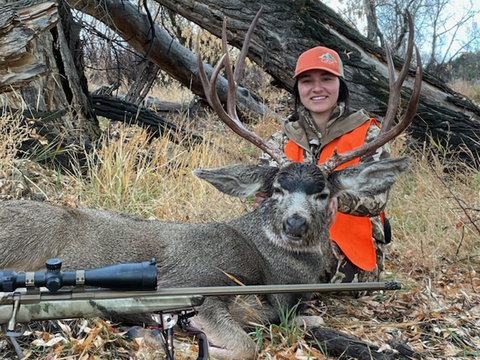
{"points": [[327, 58]]}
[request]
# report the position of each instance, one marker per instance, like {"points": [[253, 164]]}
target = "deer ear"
{"points": [[239, 180], [370, 178]]}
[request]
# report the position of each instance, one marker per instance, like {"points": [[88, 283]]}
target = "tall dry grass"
{"points": [[153, 177], [12, 133], [468, 88], [435, 212]]}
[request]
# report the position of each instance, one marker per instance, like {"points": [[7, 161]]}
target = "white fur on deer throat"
{"points": [[283, 242]]}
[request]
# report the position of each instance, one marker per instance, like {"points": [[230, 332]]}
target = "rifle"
{"points": [[126, 289]]}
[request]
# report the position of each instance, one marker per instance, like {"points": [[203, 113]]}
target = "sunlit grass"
{"points": [[468, 88], [434, 212], [153, 177]]}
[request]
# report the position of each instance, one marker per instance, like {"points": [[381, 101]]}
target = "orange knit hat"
{"points": [[321, 58]]}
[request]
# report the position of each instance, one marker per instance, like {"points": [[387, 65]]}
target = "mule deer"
{"points": [[285, 241]]}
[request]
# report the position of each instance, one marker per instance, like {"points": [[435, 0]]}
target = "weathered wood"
{"points": [[144, 81], [128, 21], [162, 106], [20, 23], [63, 86]]}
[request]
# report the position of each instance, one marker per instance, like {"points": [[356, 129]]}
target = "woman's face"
{"points": [[318, 90]]}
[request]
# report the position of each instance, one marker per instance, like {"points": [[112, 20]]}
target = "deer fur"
{"points": [[285, 241]]}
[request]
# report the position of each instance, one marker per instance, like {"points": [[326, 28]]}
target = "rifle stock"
{"points": [[45, 305]]}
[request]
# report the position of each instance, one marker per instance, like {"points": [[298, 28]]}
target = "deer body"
{"points": [[285, 241]]}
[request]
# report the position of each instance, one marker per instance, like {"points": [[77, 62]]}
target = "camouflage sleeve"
{"points": [[372, 205], [278, 139], [382, 152]]}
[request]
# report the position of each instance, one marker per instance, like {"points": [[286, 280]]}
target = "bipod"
{"points": [[167, 321]]}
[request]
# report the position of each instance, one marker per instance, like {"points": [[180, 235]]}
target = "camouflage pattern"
{"points": [[45, 305], [305, 134], [65, 305]]}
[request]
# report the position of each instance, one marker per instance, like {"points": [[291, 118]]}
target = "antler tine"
{"points": [[232, 85], [246, 43], [235, 78], [415, 98], [388, 133], [230, 117], [396, 85]]}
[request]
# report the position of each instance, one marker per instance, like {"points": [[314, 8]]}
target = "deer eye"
{"points": [[322, 196], [277, 190]]}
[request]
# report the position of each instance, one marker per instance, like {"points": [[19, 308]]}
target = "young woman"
{"points": [[322, 122]]}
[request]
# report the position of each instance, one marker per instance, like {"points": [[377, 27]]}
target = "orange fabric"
{"points": [[353, 234], [293, 151]]}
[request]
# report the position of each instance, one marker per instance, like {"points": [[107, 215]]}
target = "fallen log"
{"points": [[344, 346], [116, 109]]}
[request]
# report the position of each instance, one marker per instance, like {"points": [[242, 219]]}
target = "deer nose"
{"points": [[295, 226]]}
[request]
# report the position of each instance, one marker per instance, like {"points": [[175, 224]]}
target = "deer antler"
{"points": [[230, 116], [388, 132]]}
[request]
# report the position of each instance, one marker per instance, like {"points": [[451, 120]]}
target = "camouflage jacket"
{"points": [[305, 134]]}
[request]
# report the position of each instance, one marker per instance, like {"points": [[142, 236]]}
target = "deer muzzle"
{"points": [[295, 227]]}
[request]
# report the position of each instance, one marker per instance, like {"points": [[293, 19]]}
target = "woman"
{"points": [[322, 122]]}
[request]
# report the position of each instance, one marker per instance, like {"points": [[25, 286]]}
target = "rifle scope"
{"points": [[130, 276]]}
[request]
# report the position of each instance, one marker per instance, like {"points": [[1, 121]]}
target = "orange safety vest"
{"points": [[353, 234]]}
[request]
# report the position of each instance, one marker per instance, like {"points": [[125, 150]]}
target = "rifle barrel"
{"points": [[278, 289], [78, 294]]}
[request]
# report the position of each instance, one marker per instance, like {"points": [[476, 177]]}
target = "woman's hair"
{"points": [[343, 96]]}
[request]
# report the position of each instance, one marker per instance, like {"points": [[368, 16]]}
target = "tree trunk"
{"points": [[118, 110], [20, 23], [63, 87], [288, 28], [144, 81], [372, 26]]}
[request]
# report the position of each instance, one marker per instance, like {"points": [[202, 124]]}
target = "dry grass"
{"points": [[435, 250], [174, 92], [470, 89], [435, 212], [12, 132], [154, 178]]}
